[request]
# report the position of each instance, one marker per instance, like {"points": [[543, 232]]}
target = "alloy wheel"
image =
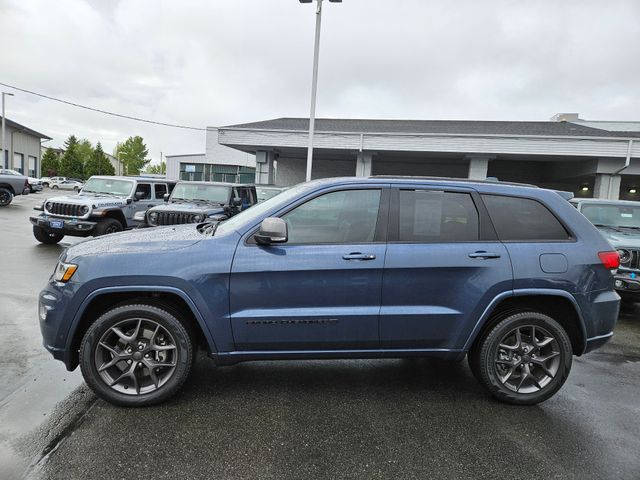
{"points": [[527, 359], [136, 356]]}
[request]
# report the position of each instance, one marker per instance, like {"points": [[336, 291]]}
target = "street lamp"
{"points": [[4, 155], [314, 82]]}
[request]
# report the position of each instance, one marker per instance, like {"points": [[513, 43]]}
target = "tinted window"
{"points": [[145, 189], [433, 216], [348, 216], [523, 219], [160, 189]]}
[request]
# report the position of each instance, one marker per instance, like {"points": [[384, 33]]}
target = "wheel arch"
{"points": [[98, 301], [9, 187], [558, 304], [116, 214]]}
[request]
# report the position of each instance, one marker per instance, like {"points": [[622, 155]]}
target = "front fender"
{"points": [[73, 326]]}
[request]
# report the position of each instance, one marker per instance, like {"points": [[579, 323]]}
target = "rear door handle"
{"points": [[358, 256], [484, 255]]}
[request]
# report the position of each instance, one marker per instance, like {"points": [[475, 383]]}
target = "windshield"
{"points": [[198, 191], [251, 215], [613, 215], [109, 186]]}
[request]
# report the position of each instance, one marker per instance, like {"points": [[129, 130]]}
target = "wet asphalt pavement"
{"points": [[288, 420]]}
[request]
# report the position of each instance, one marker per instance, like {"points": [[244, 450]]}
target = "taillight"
{"points": [[610, 260]]}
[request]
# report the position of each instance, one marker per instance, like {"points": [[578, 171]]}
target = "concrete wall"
{"points": [[222, 155], [291, 171], [25, 144]]}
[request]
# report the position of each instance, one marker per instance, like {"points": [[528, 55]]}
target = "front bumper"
{"points": [[35, 187], [69, 226], [627, 284]]}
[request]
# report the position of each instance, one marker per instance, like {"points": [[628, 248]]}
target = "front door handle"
{"points": [[358, 256], [484, 255]]}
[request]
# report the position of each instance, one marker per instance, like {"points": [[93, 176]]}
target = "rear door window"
{"points": [[428, 216], [523, 219]]}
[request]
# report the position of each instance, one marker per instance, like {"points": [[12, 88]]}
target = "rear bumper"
{"points": [[73, 227]]}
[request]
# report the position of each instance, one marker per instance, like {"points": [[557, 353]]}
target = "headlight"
{"points": [[64, 272], [153, 216], [625, 255], [84, 210], [196, 218], [48, 206]]}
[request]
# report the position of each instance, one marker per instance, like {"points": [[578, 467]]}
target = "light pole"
{"points": [[314, 82], [5, 157]]}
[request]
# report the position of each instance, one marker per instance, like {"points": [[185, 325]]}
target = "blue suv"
{"points": [[512, 276]]}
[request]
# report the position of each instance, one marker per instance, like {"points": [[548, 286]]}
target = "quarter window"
{"points": [[523, 219], [348, 216], [436, 216]]}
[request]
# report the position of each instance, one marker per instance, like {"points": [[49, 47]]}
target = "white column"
{"points": [[607, 186], [265, 173], [478, 166], [364, 163]]}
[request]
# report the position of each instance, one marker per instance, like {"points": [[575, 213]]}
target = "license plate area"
{"points": [[56, 224]]}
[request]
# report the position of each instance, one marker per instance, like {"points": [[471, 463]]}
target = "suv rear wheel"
{"points": [[106, 226], [524, 359], [136, 355], [43, 236]]}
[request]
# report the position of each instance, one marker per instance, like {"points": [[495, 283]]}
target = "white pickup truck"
{"points": [[12, 184]]}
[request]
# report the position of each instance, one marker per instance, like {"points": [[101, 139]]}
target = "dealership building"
{"points": [[590, 158]]}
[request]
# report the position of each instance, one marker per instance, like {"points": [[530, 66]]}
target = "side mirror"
{"points": [[129, 201], [139, 196], [272, 230], [236, 202], [166, 197]]}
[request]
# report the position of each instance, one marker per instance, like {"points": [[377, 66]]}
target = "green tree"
{"points": [[133, 153], [71, 162], [50, 163], [160, 169], [98, 164], [85, 150]]}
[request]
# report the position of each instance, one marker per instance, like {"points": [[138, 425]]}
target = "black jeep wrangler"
{"points": [[195, 202]]}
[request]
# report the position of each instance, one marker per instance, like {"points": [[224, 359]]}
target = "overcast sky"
{"points": [[219, 62]]}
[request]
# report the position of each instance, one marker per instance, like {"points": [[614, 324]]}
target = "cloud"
{"points": [[203, 62]]}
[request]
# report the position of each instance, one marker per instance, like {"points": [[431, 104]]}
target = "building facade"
{"points": [[22, 152], [217, 164], [589, 158]]}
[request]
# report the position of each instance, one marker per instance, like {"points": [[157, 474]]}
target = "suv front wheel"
{"points": [[524, 359], [136, 355]]}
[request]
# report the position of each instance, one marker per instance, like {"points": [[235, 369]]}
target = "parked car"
{"points": [[68, 184], [195, 202], [11, 184], [48, 181], [265, 192], [106, 204], [619, 222], [510, 275], [35, 185]]}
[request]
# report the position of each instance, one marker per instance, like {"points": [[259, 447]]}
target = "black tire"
{"points": [[45, 185], [133, 312], [486, 350], [43, 236], [6, 197], [75, 189], [55, 187], [107, 226]]}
